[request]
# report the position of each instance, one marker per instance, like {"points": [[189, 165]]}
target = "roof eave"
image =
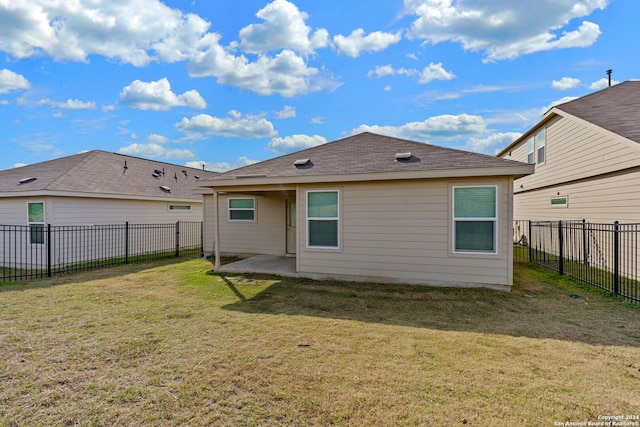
{"points": [[516, 171], [547, 116], [54, 193]]}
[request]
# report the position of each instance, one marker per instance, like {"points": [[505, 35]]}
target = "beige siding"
{"points": [[266, 235], [402, 230], [209, 223], [88, 211], [575, 150], [606, 199]]}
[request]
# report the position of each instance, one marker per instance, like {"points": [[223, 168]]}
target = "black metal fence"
{"points": [[35, 251], [602, 255]]}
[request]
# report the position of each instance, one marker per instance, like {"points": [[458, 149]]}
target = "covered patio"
{"points": [[264, 264]]}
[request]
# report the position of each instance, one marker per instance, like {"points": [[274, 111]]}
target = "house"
{"points": [[586, 154], [98, 187], [371, 207], [84, 192]]}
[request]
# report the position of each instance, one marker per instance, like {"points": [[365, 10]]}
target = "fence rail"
{"points": [[603, 255], [35, 251]]}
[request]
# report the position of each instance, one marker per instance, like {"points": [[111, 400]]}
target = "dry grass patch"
{"points": [[173, 344]]}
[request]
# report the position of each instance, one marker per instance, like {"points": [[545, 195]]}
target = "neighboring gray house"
{"points": [[98, 187], [91, 189], [586, 154], [371, 207]]}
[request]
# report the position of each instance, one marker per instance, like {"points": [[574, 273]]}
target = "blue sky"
{"points": [[227, 83]]}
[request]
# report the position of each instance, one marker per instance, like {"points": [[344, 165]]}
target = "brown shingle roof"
{"points": [[100, 172], [367, 153], [616, 108]]}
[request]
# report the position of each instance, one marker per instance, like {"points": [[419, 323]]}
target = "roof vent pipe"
{"points": [[609, 74]]}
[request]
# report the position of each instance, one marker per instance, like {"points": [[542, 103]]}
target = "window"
{"points": [[242, 209], [36, 223], [560, 202], [541, 137], [322, 219], [179, 207], [530, 151], [475, 219]]}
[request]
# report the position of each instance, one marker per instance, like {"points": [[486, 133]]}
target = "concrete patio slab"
{"points": [[266, 264]]}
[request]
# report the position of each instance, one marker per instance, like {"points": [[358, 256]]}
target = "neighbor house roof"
{"points": [[102, 174], [369, 156], [616, 109]]}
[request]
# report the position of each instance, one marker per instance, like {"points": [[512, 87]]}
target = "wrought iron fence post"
{"points": [[530, 243], [561, 249], [201, 239], [177, 239], [616, 258], [126, 242], [48, 250]]}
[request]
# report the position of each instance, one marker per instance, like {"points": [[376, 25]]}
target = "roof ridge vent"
{"points": [[403, 156], [301, 162], [26, 180]]}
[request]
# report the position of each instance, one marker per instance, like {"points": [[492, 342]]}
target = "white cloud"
{"points": [[435, 72], [602, 83], [318, 120], [70, 104], [286, 74], [131, 31], [157, 139], [444, 127], [295, 143], [504, 29], [4, 102], [19, 165], [287, 112], [158, 96], [429, 73], [492, 144], [357, 42], [565, 83], [222, 166], [107, 108], [233, 126], [10, 81], [139, 32], [387, 88], [283, 28], [154, 150]]}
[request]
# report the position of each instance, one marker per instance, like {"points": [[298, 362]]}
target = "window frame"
{"points": [[494, 220], [34, 225], [531, 150], [308, 219], [230, 209], [181, 208], [542, 147], [559, 205]]}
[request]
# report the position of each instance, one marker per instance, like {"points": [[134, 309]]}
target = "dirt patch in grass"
{"points": [[173, 344]]}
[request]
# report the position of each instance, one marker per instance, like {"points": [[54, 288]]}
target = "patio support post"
{"points": [[216, 228]]}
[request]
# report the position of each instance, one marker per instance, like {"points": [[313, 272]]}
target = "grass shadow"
{"points": [[540, 306]]}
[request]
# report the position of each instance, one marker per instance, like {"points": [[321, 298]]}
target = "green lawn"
{"points": [[171, 343]]}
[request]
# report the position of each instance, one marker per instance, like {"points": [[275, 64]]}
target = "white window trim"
{"points": [[544, 146], [43, 223], [230, 209], [182, 207], [308, 218], [531, 150], [561, 205], [454, 220]]}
